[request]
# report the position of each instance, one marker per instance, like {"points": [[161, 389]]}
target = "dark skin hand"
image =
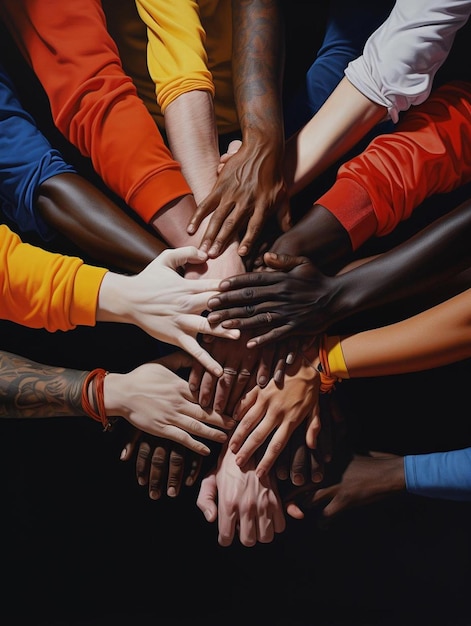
{"points": [[161, 465], [280, 302], [89, 219], [366, 479], [250, 187]]}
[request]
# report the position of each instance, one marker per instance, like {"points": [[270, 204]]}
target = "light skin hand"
{"points": [[275, 411], [239, 500], [154, 399], [164, 304]]}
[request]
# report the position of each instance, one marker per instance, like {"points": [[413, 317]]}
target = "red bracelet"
{"points": [[97, 379]]}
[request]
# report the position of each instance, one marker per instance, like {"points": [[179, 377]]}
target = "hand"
{"points": [[250, 188], [366, 479], [240, 366], [161, 465], [279, 302], [154, 399], [274, 410], [164, 304], [240, 501]]}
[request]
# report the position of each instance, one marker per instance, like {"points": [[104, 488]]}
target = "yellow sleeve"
{"points": [[176, 54], [41, 289]]}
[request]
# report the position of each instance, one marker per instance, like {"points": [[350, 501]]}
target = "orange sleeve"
{"points": [[41, 289], [93, 102], [428, 153]]}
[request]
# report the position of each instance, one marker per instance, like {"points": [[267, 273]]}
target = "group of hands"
{"points": [[259, 401]]}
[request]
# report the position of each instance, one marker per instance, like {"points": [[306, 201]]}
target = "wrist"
{"points": [[112, 306]]}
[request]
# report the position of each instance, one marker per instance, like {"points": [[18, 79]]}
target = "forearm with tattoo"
{"points": [[34, 390]]}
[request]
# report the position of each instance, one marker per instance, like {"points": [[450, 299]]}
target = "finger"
{"points": [[283, 262], [313, 427], [293, 510], [252, 233], [193, 468], [128, 450], [227, 523], [178, 257], [265, 365], [224, 386], [245, 427], [248, 529], [158, 471], [194, 348], [282, 464], [274, 448], [202, 210], [207, 389], [206, 500], [245, 381], [194, 379], [176, 360], [143, 463], [176, 467]]}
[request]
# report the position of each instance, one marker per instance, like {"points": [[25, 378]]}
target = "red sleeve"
{"points": [[428, 153], [93, 103]]}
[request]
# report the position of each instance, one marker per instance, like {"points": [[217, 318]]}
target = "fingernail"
{"points": [[213, 250], [262, 381], [243, 251], [141, 481], [190, 229], [298, 479], [171, 492], [290, 358]]}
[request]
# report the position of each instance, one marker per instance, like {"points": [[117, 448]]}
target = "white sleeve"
{"points": [[400, 59]]}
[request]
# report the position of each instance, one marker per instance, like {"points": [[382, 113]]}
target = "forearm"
{"points": [[170, 224], [433, 338], [33, 390], [332, 131], [421, 265], [258, 58], [78, 210], [318, 236], [192, 134]]}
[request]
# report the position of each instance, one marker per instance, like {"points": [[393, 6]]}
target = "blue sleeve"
{"points": [[444, 475], [349, 24], [26, 161]]}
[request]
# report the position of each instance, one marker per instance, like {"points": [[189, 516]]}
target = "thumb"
{"points": [[283, 262], [178, 257], [206, 501]]}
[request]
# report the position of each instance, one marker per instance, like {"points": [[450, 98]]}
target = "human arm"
{"points": [[367, 479], [47, 290], [425, 263], [250, 187], [241, 502], [34, 390], [93, 103], [395, 71]]}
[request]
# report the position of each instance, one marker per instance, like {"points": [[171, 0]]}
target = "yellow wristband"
{"points": [[337, 364]]}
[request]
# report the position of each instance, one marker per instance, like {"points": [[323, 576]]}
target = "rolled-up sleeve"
{"points": [[400, 59]]}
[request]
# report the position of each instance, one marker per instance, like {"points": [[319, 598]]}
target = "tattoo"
{"points": [[29, 389], [258, 53]]}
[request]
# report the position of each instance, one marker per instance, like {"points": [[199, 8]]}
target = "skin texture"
{"points": [[250, 188], [281, 302], [79, 211], [33, 390], [241, 502]]}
